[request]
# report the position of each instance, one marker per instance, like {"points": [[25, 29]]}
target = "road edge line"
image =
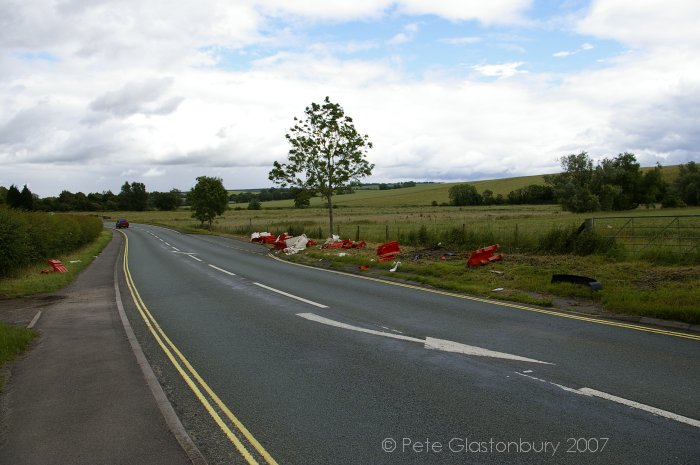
{"points": [[166, 409]]}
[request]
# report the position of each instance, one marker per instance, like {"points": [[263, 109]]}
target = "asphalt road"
{"points": [[324, 368]]}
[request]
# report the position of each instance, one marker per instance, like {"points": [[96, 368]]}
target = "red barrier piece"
{"points": [[363, 267], [388, 251], [58, 266], [344, 244], [484, 256], [280, 243]]}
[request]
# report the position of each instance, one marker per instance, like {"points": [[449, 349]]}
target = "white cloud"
{"points": [[503, 70], [490, 12], [566, 53], [461, 40], [649, 23]]}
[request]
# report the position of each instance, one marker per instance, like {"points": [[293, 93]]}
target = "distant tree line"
{"points": [[132, 197], [396, 185], [614, 184], [619, 184], [534, 194]]}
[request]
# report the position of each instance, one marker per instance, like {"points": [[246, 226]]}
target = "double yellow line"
{"points": [[211, 402]]}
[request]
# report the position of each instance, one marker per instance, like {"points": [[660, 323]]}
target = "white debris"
{"points": [[258, 235], [295, 244], [396, 266]]}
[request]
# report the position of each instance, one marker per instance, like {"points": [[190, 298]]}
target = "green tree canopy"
{"points": [[208, 199], [327, 154], [14, 197], [165, 201], [464, 194], [687, 184]]}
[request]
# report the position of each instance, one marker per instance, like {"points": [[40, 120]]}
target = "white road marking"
{"points": [[176, 249], [167, 244], [637, 405], [193, 257], [222, 270], [449, 346], [34, 320], [338, 324], [428, 343], [292, 296], [588, 392]]}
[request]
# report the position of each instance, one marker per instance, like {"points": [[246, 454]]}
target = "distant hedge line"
{"points": [[29, 237]]}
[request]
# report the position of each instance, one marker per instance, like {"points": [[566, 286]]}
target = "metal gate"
{"points": [[673, 234]]}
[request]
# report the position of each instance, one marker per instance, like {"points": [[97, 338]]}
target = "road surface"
{"points": [[271, 362]]}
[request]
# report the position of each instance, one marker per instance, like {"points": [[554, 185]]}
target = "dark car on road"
{"points": [[122, 223]]}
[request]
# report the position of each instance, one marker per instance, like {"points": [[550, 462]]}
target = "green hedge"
{"points": [[30, 237]]}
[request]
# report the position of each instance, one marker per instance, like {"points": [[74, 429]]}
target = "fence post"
{"points": [[357, 234], [387, 232]]}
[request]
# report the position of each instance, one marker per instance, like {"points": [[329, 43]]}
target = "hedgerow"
{"points": [[29, 237]]}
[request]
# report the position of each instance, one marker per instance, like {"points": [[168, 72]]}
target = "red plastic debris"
{"points": [[388, 251], [58, 266], [363, 267], [484, 256], [344, 244], [280, 243]]}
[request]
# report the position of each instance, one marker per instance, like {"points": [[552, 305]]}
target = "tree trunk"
{"points": [[330, 214]]}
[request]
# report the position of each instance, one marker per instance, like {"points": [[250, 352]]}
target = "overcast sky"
{"points": [[97, 92]]}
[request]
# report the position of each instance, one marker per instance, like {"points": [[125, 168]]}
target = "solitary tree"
{"points": [[464, 194], [208, 199], [327, 153]]}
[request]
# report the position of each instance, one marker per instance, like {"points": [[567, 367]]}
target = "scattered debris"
{"points": [[56, 266], [295, 244], [396, 266], [281, 242], [574, 279], [495, 272], [388, 251], [74, 261], [484, 256], [342, 254], [363, 267], [335, 243], [498, 289], [262, 237]]}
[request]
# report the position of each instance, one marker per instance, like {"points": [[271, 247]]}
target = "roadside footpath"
{"points": [[80, 396]]}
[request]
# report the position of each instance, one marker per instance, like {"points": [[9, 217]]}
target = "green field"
{"points": [[420, 195]]}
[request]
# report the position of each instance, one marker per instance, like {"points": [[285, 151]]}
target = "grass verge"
{"points": [[31, 281], [13, 341]]}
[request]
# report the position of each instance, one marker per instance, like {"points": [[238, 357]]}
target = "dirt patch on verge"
{"points": [[19, 312]]}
